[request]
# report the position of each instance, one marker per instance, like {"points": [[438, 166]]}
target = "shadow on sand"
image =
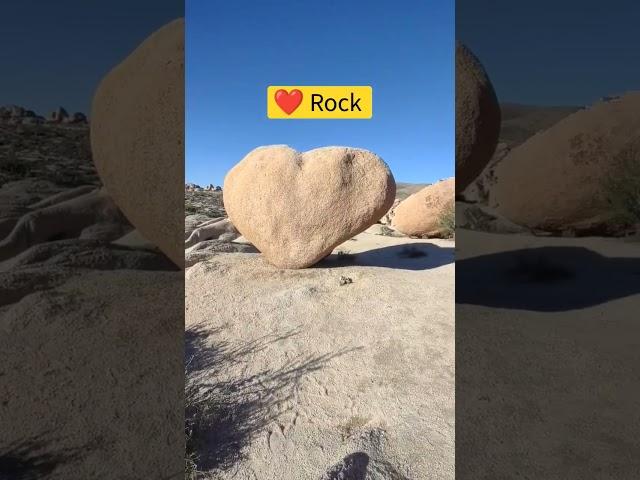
{"points": [[412, 256], [546, 279], [352, 467], [34, 459], [359, 466], [223, 415], [545, 386]]}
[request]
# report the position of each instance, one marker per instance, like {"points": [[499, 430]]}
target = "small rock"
{"points": [[484, 219], [383, 230]]}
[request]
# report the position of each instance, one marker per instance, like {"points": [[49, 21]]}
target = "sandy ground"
{"points": [[547, 357], [340, 371], [91, 333], [88, 378]]}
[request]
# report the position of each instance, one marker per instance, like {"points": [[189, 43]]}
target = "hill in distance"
{"points": [[403, 189], [519, 121]]}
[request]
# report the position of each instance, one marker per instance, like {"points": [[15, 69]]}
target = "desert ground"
{"points": [[344, 370], [547, 270], [79, 291], [548, 340]]}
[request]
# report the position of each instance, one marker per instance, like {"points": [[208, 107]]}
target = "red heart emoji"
{"points": [[288, 102]]}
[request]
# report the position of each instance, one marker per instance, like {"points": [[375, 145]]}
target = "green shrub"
{"points": [[12, 166], [622, 186], [190, 209], [447, 221]]}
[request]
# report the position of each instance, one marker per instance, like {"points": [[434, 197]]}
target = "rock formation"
{"points": [[555, 181], [477, 118], [297, 207], [140, 102], [422, 213]]}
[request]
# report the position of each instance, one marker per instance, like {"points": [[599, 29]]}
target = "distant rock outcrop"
{"points": [[16, 111], [59, 116], [17, 115], [78, 117], [34, 120]]}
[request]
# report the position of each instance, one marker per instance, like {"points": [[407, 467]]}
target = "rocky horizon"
{"points": [[18, 115]]}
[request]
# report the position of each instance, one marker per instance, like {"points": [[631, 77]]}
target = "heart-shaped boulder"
{"points": [[297, 207], [137, 138]]}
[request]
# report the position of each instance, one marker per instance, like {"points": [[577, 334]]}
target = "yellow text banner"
{"points": [[297, 102]]}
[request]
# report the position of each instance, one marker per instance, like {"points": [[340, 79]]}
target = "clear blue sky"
{"points": [[404, 50], [54, 53], [552, 52]]}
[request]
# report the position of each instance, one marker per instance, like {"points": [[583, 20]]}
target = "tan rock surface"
{"points": [[191, 222], [421, 213], [137, 137], [209, 248], [297, 207], [477, 118], [325, 370], [554, 180], [215, 228]]}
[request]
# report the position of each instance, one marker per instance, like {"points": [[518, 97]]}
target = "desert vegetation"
{"points": [[447, 221], [622, 187]]}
